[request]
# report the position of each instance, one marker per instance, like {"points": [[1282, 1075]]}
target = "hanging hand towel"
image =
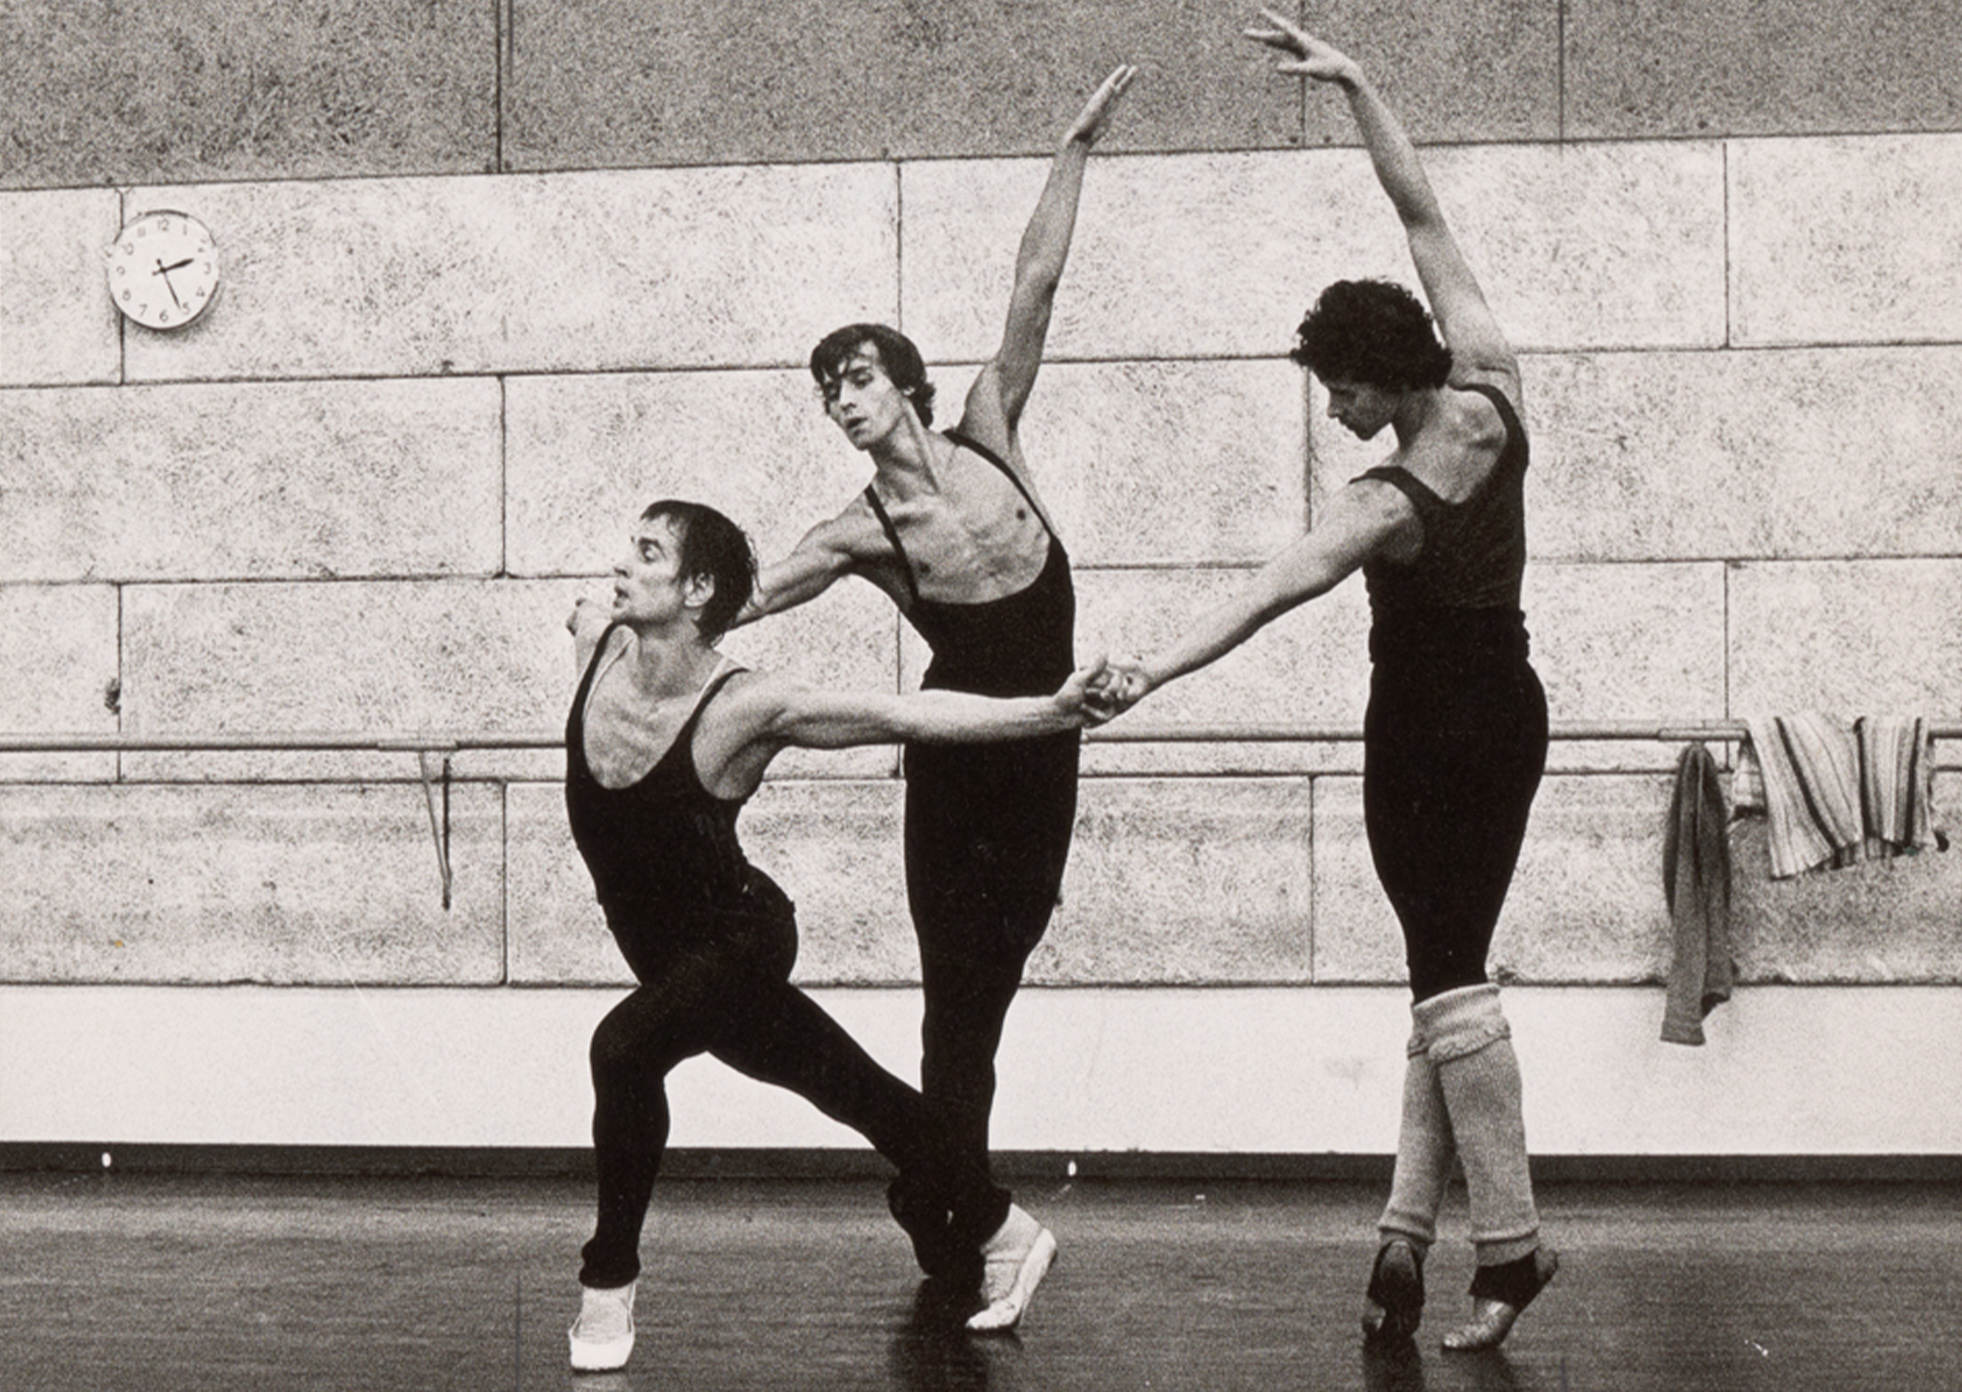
{"points": [[1696, 884]]}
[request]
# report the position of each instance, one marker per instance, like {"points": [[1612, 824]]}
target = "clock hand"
{"points": [[178, 265], [165, 271]]}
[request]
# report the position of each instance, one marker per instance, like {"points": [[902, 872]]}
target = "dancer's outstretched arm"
{"points": [[1355, 524], [761, 716]]}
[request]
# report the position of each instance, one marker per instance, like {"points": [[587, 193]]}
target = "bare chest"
{"points": [[970, 544], [624, 736]]}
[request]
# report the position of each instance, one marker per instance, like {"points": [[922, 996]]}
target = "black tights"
{"points": [[1452, 759], [987, 837], [723, 988]]}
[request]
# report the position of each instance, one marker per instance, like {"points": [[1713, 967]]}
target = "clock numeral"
{"points": [[125, 295]]}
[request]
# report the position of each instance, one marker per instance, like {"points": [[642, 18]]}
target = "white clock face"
{"points": [[163, 269]]}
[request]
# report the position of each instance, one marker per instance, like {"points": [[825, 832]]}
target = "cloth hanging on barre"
{"points": [[1696, 884], [1837, 793]]}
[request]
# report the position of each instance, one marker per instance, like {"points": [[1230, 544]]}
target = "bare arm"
{"points": [[1361, 520], [994, 403], [767, 714], [1469, 328], [816, 719], [827, 553]]}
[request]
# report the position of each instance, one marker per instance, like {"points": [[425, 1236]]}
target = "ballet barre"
{"points": [[443, 746]]}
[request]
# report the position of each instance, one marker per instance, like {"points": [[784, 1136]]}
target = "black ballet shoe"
{"points": [[1499, 1295], [1394, 1303]]}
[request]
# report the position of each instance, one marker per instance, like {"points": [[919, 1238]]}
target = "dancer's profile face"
{"points": [[1363, 407], [648, 586], [862, 399]]}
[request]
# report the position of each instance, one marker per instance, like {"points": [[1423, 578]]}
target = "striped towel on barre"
{"points": [[1838, 793]]}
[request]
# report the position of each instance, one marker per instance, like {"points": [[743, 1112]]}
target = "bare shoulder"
{"points": [[853, 533], [1500, 372]]}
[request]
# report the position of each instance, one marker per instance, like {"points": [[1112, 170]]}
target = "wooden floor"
{"points": [[156, 1283]]}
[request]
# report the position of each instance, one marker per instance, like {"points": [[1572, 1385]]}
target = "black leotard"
{"points": [[663, 848], [712, 941], [1456, 733]]}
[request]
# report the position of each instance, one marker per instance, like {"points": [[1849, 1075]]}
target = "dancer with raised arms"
{"points": [[953, 529], [1456, 732]]}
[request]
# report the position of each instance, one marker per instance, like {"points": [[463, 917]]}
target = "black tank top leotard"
{"points": [[1462, 590], [1016, 645], [663, 849]]}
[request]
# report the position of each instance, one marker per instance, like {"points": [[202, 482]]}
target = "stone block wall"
{"points": [[494, 276]]}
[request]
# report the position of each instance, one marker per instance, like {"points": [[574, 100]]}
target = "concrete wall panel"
{"points": [[617, 83], [1736, 454], [177, 90], [1841, 452], [1169, 463], [57, 324], [382, 277], [1309, 668], [262, 481], [1181, 881], [58, 648], [284, 885], [1760, 67], [1848, 240], [389, 657], [1187, 256], [1634, 642], [586, 453], [1865, 638], [1481, 71]]}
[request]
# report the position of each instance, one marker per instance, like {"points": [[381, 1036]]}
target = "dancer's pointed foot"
{"points": [[1499, 1295], [603, 1335], [1014, 1261], [1394, 1303]]}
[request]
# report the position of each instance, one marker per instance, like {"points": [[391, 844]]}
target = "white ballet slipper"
{"points": [[603, 1335], [1014, 1261]]}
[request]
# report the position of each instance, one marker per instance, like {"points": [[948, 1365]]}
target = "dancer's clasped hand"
{"points": [[1116, 689]]}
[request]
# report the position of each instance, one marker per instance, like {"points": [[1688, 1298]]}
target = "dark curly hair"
{"points": [[711, 545], [897, 352], [1372, 331]]}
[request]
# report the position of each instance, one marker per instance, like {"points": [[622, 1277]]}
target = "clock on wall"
{"points": [[163, 269]]}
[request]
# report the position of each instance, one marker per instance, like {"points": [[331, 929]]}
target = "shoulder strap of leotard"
{"points": [[684, 739], [586, 679], [1515, 428], [892, 535], [715, 684], [967, 441]]}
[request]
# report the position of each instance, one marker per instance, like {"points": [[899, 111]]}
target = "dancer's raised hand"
{"points": [[1310, 56], [1090, 123]]}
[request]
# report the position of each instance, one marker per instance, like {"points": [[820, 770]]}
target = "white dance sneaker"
{"points": [[603, 1335], [1014, 1260]]}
